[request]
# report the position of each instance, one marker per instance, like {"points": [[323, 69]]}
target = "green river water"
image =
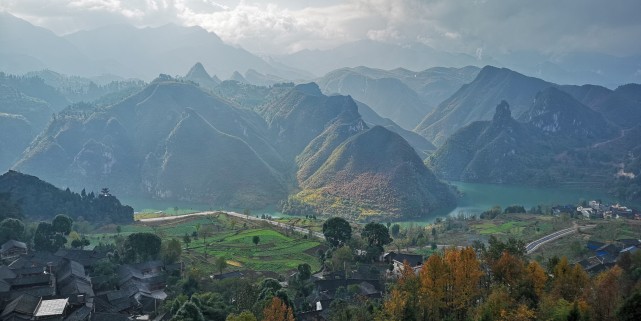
{"points": [[475, 199]]}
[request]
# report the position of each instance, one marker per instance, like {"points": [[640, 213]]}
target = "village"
{"points": [[77, 284]]}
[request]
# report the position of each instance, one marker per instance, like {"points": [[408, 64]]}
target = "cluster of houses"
{"points": [[60, 286], [605, 255], [364, 281], [597, 210]]}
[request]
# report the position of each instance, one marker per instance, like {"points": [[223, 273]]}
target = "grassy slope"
{"points": [[276, 252]]}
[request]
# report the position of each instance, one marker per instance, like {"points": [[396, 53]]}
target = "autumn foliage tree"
{"points": [[447, 285], [277, 310]]}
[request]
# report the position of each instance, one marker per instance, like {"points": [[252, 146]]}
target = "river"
{"points": [[475, 198]]}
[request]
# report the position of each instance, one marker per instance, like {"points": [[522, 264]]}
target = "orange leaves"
{"points": [[277, 310], [536, 276], [450, 283]]}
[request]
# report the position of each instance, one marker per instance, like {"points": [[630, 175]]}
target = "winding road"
{"points": [[533, 246]]}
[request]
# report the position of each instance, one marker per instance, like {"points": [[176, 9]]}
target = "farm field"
{"points": [[232, 238]]}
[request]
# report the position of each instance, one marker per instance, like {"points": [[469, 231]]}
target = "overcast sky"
{"points": [[283, 26]]}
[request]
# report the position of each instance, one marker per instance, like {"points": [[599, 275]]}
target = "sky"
{"points": [[286, 26]]}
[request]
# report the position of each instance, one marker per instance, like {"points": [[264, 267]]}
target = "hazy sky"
{"points": [[280, 26]]}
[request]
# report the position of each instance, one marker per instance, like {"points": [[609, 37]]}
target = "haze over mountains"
{"points": [[240, 131], [124, 50], [130, 52]]}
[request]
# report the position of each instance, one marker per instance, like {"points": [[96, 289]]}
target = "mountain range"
{"points": [[176, 140], [401, 95], [570, 68], [557, 141], [124, 50]]}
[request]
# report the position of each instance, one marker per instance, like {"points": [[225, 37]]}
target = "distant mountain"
{"points": [[199, 75], [389, 97], [375, 171], [236, 76], [130, 145], [126, 51], [40, 200], [498, 151], [25, 47], [301, 115], [36, 87], [175, 141], [558, 114], [375, 54], [559, 141], [432, 85], [575, 67], [251, 96], [476, 101], [256, 78], [621, 106], [21, 118], [421, 145], [75, 89]]}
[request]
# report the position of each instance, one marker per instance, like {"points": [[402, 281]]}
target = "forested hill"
{"points": [[41, 200]]}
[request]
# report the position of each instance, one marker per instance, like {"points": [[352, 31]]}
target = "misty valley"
{"points": [[163, 172]]}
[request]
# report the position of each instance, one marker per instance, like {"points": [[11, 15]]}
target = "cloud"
{"points": [[279, 26]]}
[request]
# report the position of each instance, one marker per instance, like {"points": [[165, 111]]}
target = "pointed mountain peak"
{"points": [[503, 113], [197, 72], [236, 76], [311, 89]]}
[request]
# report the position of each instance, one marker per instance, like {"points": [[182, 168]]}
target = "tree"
{"points": [[243, 316], [189, 312], [341, 257], [187, 240], [221, 264], [606, 295], [205, 232], [377, 236], [62, 224], [277, 310], [118, 229], [256, 239], [337, 231], [630, 310], [395, 230], [569, 282], [171, 251], [42, 238], [104, 192], [140, 247], [80, 243], [11, 229], [304, 272]]}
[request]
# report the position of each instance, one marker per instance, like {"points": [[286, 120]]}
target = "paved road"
{"points": [[533, 246], [239, 215]]}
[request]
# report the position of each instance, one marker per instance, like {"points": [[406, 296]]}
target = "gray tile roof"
{"points": [[12, 243]]}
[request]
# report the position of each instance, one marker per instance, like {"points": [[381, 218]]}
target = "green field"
{"points": [[230, 238]]}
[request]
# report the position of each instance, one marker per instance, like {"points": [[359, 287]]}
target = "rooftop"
{"points": [[13, 243], [51, 307]]}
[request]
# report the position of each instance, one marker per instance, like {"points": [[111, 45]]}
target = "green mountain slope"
{"points": [[41, 200], [476, 101], [388, 96], [110, 146], [498, 151], [421, 145], [558, 114], [375, 172]]}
